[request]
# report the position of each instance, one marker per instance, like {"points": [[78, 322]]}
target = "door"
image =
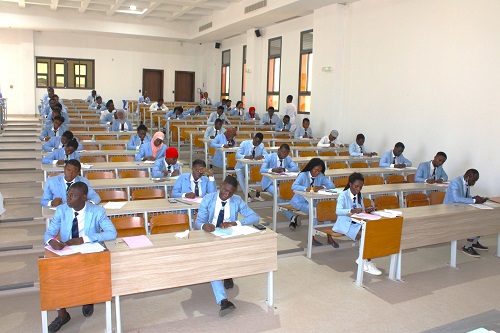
{"points": [[152, 82], [184, 86]]}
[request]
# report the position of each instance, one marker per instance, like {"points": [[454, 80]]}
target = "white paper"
{"points": [[86, 166], [480, 206], [184, 234], [326, 192], [115, 205], [87, 248], [235, 231], [394, 212], [149, 162]]}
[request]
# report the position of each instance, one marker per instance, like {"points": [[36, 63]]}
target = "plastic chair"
{"points": [[414, 197], [100, 175], [337, 165], [367, 202], [417, 203], [230, 161], [113, 147], [105, 137], [307, 154], [410, 178], [374, 164], [147, 194], [328, 153], [90, 147], [358, 165], [386, 202], [436, 198], [286, 193], [344, 153], [92, 159], [133, 174], [341, 182], [395, 179], [129, 226], [374, 180], [165, 223], [112, 195], [121, 158]]}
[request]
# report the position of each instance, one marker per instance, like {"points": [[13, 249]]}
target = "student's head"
{"points": [[205, 94], [66, 137], [71, 147], [257, 139], [77, 195], [230, 133], [178, 110], [239, 104], [58, 121], [315, 166], [71, 170], [197, 109], [218, 124], [360, 139], [334, 134], [50, 92], [289, 99], [355, 183], [99, 100], [52, 102], [223, 101], [439, 159], [56, 97], [198, 168], [227, 188], [171, 155], [270, 111], [58, 107], [145, 93], [56, 113], [283, 151], [305, 123], [160, 100], [228, 102], [110, 105], [286, 119], [398, 149], [142, 130], [251, 110], [93, 93], [158, 138], [471, 177], [120, 115], [220, 110]]}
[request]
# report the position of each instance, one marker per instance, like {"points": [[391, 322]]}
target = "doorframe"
{"points": [[193, 87]]}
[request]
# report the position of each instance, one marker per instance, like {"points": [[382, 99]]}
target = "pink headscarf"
{"points": [[154, 149]]}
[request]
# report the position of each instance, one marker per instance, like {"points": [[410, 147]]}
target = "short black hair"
{"points": [[271, 108], [360, 137], [399, 145], [60, 118], [285, 146], [286, 116], [230, 180], [72, 143], [75, 163], [109, 102], [142, 127], [179, 108], [472, 172], [314, 162], [81, 187], [238, 103], [220, 107], [218, 120], [259, 136], [289, 98], [199, 162], [68, 135], [355, 176], [306, 119], [440, 153]]}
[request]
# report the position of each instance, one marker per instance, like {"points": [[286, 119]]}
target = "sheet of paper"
{"points": [[86, 166], [480, 206], [326, 192], [149, 162], [235, 231], [383, 214], [135, 242], [196, 200], [394, 212], [88, 247], [64, 252], [291, 173], [365, 216], [491, 204], [115, 205]]}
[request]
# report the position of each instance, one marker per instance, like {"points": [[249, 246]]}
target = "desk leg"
{"points": [[453, 254], [498, 245], [128, 193], [47, 222], [45, 323], [398, 270], [246, 175], [311, 228], [206, 153], [109, 325], [191, 149], [224, 161], [146, 223], [392, 267], [275, 206], [178, 138], [359, 274], [270, 289], [118, 315]]}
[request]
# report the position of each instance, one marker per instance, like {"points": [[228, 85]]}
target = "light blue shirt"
{"points": [[280, 126], [210, 131], [457, 192], [59, 154], [213, 116], [185, 184], [171, 114], [117, 125], [135, 141], [145, 150], [161, 165], [388, 159], [237, 112], [354, 149], [95, 106], [48, 131], [55, 143], [300, 131], [219, 141], [272, 161], [55, 187], [424, 172], [265, 119], [247, 116], [246, 149], [302, 182]]}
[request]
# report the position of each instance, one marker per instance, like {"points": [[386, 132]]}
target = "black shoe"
{"points": [[480, 247], [471, 252], [58, 323], [226, 307], [88, 310], [228, 284], [292, 226]]}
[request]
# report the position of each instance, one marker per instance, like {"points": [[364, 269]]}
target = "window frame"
{"points": [[272, 58], [225, 75], [67, 77], [309, 58]]}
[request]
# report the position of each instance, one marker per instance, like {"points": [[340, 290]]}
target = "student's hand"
{"points": [[208, 227], [46, 138], [356, 210], [367, 155], [400, 166], [165, 173], [225, 122], [266, 123], [373, 154], [369, 209], [75, 241], [56, 202], [225, 225], [148, 158], [317, 188], [440, 181], [60, 162], [431, 181], [226, 146], [332, 144], [305, 136], [190, 195], [208, 173], [56, 245], [212, 137], [480, 200], [278, 170], [259, 157], [175, 173], [248, 157]]}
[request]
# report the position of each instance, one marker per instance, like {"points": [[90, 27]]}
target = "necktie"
{"points": [[433, 172], [66, 158], [354, 202], [122, 127], [394, 160], [74, 229], [55, 132], [216, 132], [270, 121], [467, 191], [169, 169], [312, 182], [361, 149], [142, 141], [196, 188], [220, 219], [253, 152], [68, 185], [281, 163]]}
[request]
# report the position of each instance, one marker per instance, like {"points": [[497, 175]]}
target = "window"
{"points": [[65, 73], [274, 73], [226, 61], [244, 75], [305, 75]]}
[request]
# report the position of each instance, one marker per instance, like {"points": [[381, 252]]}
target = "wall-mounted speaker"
{"points": [[217, 45], [257, 33]]}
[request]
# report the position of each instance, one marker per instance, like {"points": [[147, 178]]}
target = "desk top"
{"points": [[342, 172], [103, 166], [125, 182]]}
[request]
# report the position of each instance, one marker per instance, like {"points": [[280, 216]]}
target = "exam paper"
{"points": [[235, 231], [135, 242], [366, 216], [87, 247], [115, 205]]}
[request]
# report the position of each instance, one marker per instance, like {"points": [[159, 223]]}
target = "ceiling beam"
{"points": [[152, 6], [184, 10], [115, 7], [22, 4], [83, 6], [53, 5]]}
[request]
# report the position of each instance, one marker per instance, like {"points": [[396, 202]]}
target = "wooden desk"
{"points": [[129, 183], [318, 150], [104, 166], [201, 258]]}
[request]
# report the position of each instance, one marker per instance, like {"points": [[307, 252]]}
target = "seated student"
{"points": [[158, 106], [438, 175], [77, 222], [239, 110], [270, 118], [358, 148], [221, 209], [47, 108], [92, 97], [137, 140], [56, 129], [330, 140], [219, 114], [223, 140], [395, 158], [167, 167], [108, 115], [221, 103], [58, 142], [458, 191], [176, 113], [350, 202], [98, 105], [44, 101], [62, 155], [251, 114], [196, 184], [143, 99], [121, 123], [227, 106], [310, 178], [250, 150], [153, 150], [284, 125], [57, 111], [304, 131], [205, 100], [60, 101], [56, 188], [197, 111], [212, 131]]}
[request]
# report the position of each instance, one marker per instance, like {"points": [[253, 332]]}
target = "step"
{"points": [[23, 192], [21, 233], [26, 134], [20, 178], [17, 166], [21, 212], [19, 139], [23, 129], [20, 268], [20, 155]]}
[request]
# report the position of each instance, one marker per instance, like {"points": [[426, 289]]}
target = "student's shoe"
{"points": [[471, 252], [316, 242], [259, 198], [333, 243], [249, 199], [88, 310], [479, 246], [58, 323], [369, 267], [226, 307], [228, 284], [292, 226]]}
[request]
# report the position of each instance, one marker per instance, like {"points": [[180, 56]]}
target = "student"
{"points": [[108, 115], [121, 123], [222, 209], [358, 148], [284, 125], [304, 132], [58, 142], [92, 98], [196, 184], [197, 111], [238, 110], [44, 101], [137, 140], [167, 167], [219, 114], [223, 140], [153, 150], [458, 191], [350, 202], [212, 131], [250, 150], [227, 106], [251, 114], [330, 140], [221, 103], [143, 99], [77, 222], [395, 158], [290, 109], [270, 118], [176, 113], [311, 178], [60, 101], [57, 111], [98, 105], [56, 129], [205, 100], [55, 189], [158, 106], [62, 155], [438, 175]]}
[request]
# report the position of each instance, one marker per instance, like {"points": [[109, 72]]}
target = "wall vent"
{"points": [[255, 6], [205, 27]]}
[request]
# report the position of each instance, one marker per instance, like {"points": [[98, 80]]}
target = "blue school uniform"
{"points": [[344, 223]]}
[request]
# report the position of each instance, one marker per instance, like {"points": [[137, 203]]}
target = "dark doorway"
{"points": [[184, 86], [152, 82]]}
